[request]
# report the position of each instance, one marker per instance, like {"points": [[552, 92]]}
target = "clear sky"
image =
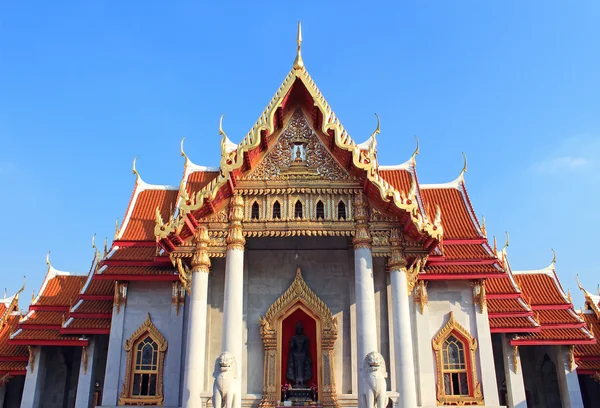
{"points": [[87, 86]]}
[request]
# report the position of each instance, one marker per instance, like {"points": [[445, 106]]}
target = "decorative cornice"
{"points": [[235, 237], [362, 236]]}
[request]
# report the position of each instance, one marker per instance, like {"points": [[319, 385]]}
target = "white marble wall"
{"points": [[267, 274]]}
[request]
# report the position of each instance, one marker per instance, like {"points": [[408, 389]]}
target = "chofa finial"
{"points": [[554, 257], [134, 169], [416, 152], [464, 169], [298, 63]]}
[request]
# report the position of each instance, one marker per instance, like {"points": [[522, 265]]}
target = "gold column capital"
{"points": [[200, 259], [235, 237], [362, 237]]}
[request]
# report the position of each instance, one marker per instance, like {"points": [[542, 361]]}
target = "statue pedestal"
{"points": [[301, 396]]}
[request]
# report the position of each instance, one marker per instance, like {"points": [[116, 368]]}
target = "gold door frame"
{"points": [[298, 296]]}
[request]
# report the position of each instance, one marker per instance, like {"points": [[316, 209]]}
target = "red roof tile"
{"points": [[140, 225], [456, 217]]}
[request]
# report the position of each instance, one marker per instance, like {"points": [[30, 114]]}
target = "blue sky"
{"points": [[87, 86]]}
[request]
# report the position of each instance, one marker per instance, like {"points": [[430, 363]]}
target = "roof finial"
{"points": [[183, 152], [464, 169], [116, 230], [554, 257], [298, 63], [495, 245], [579, 284], [414, 155], [48, 260], [483, 226], [137, 175], [377, 129], [507, 241]]}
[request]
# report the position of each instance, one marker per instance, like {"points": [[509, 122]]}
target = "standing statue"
{"points": [[299, 363], [374, 375], [225, 384]]}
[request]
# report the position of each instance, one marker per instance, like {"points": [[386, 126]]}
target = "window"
{"points": [[276, 211], [255, 211], [341, 211], [143, 383], [455, 361], [455, 367], [145, 370], [320, 210], [298, 209]]}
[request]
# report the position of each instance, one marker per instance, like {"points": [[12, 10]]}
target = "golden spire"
{"points": [[483, 230], [298, 63], [414, 155]]}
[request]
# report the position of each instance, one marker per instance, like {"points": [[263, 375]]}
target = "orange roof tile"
{"points": [[512, 322], [134, 254], [41, 335], [500, 286], [12, 365], [441, 268], [400, 179], [557, 334], [557, 316], [540, 288], [60, 290], [590, 350], [199, 179], [456, 215], [137, 270], [100, 287], [42, 317], [504, 305], [9, 349], [140, 220], [94, 306], [90, 324], [470, 251]]}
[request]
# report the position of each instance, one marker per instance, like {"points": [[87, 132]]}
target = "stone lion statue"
{"points": [[374, 374], [225, 386]]}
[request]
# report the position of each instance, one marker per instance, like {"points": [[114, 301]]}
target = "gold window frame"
{"points": [[475, 396], [147, 328]]}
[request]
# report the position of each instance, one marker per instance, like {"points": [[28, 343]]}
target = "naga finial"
{"points": [[464, 169], [134, 169], [579, 284], [507, 241], [48, 260], [298, 63], [116, 230], [483, 230], [414, 155], [554, 257], [183, 152]]}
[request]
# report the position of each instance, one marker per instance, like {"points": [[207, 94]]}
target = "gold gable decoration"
{"points": [[475, 397], [270, 332], [298, 154], [126, 398]]}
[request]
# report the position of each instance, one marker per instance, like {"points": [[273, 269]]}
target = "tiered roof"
{"points": [[530, 305], [587, 356]]}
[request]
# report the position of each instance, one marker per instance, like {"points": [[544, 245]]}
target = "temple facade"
{"points": [[300, 272]]}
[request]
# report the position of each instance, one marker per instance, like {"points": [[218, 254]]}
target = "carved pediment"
{"points": [[298, 154]]}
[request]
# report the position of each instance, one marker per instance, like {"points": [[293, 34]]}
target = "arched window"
{"points": [[455, 360], [298, 209], [341, 211], [276, 211], [143, 383], [320, 210], [255, 211], [455, 367]]}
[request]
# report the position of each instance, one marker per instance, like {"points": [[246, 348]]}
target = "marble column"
{"points": [[425, 357], [193, 375], [568, 383], [34, 379], [85, 383], [233, 306], [513, 374], [403, 339], [487, 377], [366, 319], [114, 356]]}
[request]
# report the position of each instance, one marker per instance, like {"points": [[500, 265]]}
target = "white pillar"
{"points": [[85, 383], [487, 369], [568, 383], [405, 367], [193, 375], [34, 379], [364, 287], [513, 374], [112, 381], [426, 363], [233, 299]]}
